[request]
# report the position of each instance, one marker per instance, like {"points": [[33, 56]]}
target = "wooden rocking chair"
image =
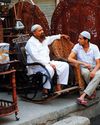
{"points": [[20, 51], [32, 82], [60, 49]]}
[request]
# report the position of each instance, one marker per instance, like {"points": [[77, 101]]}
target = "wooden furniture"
{"points": [[61, 49], [9, 107], [1, 31], [33, 82], [20, 51], [28, 14], [6, 70], [73, 16]]}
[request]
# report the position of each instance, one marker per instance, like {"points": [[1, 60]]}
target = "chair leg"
{"points": [[79, 78], [17, 119]]}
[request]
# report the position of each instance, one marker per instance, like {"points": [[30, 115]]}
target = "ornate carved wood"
{"points": [[73, 16], [29, 14], [61, 49]]}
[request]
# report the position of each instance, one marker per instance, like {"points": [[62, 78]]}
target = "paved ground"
{"points": [[96, 120], [46, 114], [29, 111]]}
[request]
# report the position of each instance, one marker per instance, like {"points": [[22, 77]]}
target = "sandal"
{"points": [[93, 96], [82, 102]]}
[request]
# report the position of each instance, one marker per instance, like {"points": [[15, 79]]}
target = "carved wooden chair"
{"points": [[31, 80], [61, 49], [7, 107], [31, 84]]}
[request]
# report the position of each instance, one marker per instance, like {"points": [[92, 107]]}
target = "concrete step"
{"points": [[74, 120], [49, 113]]}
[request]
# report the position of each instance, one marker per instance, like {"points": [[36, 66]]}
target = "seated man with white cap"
{"points": [[37, 51], [88, 56]]}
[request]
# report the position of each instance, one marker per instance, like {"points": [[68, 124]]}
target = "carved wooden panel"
{"points": [[61, 48], [29, 14], [73, 16]]}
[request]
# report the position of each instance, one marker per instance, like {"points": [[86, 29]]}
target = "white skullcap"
{"points": [[34, 27], [86, 34]]}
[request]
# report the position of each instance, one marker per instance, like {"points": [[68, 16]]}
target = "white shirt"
{"points": [[37, 51], [90, 56]]}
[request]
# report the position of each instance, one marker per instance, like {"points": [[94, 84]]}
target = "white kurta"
{"points": [[39, 52]]}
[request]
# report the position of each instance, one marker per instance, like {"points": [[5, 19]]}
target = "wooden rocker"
{"points": [[21, 56]]}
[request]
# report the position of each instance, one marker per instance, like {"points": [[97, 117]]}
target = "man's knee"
{"points": [[85, 73], [50, 70], [97, 76], [66, 65]]}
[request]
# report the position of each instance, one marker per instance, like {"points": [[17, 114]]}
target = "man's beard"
{"points": [[42, 36]]}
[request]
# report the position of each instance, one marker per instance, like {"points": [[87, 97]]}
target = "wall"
{"points": [[47, 6]]}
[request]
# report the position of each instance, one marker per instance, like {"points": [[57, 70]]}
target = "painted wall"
{"points": [[47, 6]]}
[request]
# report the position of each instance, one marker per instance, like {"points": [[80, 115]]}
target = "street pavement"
{"points": [[95, 120], [48, 113]]}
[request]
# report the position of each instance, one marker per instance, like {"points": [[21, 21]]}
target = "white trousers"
{"points": [[91, 84], [62, 69]]}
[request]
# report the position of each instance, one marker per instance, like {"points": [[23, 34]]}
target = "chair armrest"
{"points": [[61, 59], [10, 62], [7, 72], [35, 63], [75, 65], [43, 66]]}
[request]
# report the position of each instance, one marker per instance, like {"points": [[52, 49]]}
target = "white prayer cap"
{"points": [[34, 27], [86, 34]]}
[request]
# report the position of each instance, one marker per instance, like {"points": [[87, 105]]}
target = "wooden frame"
{"points": [[22, 40], [61, 49], [9, 107]]}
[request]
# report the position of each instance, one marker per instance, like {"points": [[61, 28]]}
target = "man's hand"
{"points": [[87, 65], [65, 36], [92, 74], [53, 66]]}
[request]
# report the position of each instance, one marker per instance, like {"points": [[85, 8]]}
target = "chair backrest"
{"points": [[21, 39], [20, 52], [61, 48], [20, 43]]}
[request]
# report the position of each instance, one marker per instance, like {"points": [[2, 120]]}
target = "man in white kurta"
{"points": [[37, 51]]}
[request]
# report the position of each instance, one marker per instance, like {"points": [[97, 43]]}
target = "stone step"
{"points": [[74, 120]]}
